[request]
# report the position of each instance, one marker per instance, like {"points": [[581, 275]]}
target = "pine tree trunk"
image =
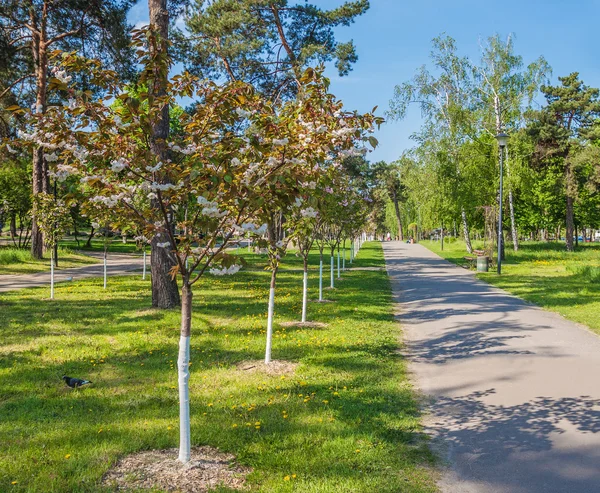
{"points": [[183, 373], [40, 182], [513, 223], [164, 288], [270, 315], [466, 231]]}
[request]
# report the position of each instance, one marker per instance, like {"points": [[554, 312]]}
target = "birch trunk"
{"points": [[183, 374], [466, 231], [270, 313]]}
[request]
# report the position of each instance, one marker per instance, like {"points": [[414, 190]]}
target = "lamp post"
{"points": [[502, 139]]}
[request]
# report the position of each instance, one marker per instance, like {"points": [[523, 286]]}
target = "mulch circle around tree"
{"points": [[306, 325], [160, 469], [275, 367]]}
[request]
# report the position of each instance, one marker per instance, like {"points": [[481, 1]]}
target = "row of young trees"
{"points": [[238, 161], [450, 180], [266, 43]]}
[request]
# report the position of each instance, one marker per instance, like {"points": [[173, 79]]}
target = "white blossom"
{"points": [[281, 142], [166, 244], [309, 212], [236, 162], [154, 169], [225, 271], [118, 165], [51, 158]]}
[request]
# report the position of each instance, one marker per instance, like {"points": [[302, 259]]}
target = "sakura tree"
{"points": [[237, 159]]}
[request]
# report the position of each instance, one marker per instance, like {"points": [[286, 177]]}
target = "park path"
{"points": [[117, 265], [512, 391]]}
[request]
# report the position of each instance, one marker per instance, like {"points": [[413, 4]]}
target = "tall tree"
{"points": [[165, 293], [506, 90], [267, 42], [562, 130], [388, 177], [30, 30], [445, 100]]}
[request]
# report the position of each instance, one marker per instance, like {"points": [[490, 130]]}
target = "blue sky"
{"points": [[394, 38]]}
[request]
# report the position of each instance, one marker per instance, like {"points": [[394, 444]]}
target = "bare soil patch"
{"points": [[307, 325], [275, 367], [160, 469]]}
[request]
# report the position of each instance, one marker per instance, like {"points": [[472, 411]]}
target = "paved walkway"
{"points": [[118, 265], [515, 390]]}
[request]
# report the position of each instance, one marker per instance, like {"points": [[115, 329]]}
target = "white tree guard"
{"points": [[304, 296], [183, 373], [270, 325]]}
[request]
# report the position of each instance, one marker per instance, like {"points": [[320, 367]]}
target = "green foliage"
{"points": [[266, 42]]}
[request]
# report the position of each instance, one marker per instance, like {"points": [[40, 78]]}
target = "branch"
{"points": [[21, 79]]}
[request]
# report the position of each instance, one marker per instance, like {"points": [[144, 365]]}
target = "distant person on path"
{"points": [[388, 237]]}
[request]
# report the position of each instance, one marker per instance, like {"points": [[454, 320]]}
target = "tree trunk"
{"points": [[331, 271], [164, 287], [570, 224], [321, 277], [442, 237], [40, 182], [13, 227], [305, 290], [466, 231], [183, 373], [270, 315], [398, 218], [88, 243], [513, 223]]}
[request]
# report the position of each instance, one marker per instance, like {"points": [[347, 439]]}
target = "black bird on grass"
{"points": [[75, 382]]}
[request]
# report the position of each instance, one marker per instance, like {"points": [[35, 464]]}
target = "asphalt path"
{"points": [[117, 265], [512, 392]]}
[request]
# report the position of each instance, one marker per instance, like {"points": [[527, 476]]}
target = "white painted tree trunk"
{"points": [[270, 313], [144, 267], [183, 376], [52, 273], [304, 292], [104, 270], [338, 264], [344, 260], [321, 279], [331, 271]]}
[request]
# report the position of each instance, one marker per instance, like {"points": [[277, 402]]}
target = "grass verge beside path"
{"points": [[19, 261], [347, 421], [547, 275]]}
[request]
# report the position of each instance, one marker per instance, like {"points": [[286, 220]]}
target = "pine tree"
{"points": [[30, 30]]}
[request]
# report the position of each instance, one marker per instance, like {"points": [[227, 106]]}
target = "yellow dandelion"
{"points": [[67, 456], [287, 478]]}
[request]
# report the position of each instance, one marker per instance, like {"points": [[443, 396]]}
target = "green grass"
{"points": [[20, 261], [547, 275], [352, 420]]}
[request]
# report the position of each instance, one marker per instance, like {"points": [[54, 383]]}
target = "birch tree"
{"points": [[506, 90]]}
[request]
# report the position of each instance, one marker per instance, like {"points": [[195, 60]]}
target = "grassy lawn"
{"points": [[18, 261], [97, 245], [346, 421], [547, 275]]}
